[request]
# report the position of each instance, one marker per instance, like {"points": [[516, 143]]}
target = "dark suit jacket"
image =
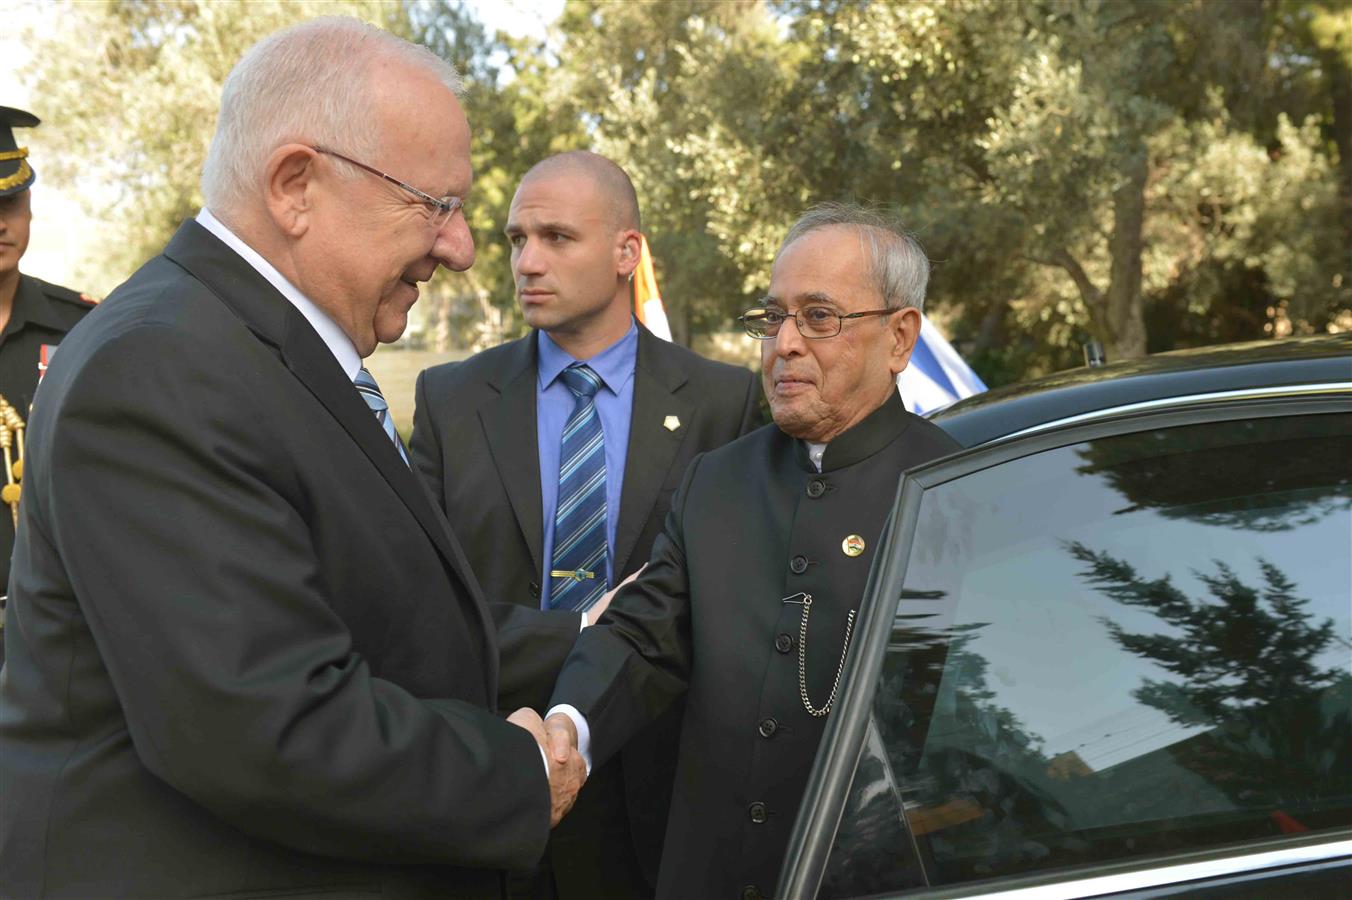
{"points": [[245, 654], [714, 618], [474, 439], [42, 314]]}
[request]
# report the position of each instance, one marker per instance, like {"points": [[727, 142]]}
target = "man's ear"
{"points": [[288, 187], [630, 242], [905, 329]]}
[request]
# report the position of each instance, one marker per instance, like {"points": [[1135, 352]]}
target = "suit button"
{"points": [[815, 488], [798, 565], [784, 643], [535, 590], [751, 892], [758, 813], [768, 726]]}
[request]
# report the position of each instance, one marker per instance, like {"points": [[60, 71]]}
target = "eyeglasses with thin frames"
{"points": [[439, 210], [815, 323]]}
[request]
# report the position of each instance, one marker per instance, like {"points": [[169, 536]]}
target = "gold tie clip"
{"points": [[576, 575]]}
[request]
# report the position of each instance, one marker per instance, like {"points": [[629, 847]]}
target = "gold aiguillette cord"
{"points": [[11, 441]]}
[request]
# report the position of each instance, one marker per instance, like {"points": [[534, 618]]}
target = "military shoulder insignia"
{"points": [[57, 292]]}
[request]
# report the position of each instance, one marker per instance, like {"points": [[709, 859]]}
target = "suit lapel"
{"points": [[311, 362], [652, 446], [274, 320], [511, 430]]}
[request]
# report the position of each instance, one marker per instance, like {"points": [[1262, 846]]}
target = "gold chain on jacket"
{"points": [[806, 602]]}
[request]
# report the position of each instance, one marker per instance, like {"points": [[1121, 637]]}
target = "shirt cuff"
{"points": [[584, 624], [583, 732]]}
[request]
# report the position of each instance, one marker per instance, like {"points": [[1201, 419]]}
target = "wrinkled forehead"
{"points": [[827, 265]]}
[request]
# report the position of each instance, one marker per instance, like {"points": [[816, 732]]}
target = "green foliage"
{"points": [[1151, 174], [139, 84]]}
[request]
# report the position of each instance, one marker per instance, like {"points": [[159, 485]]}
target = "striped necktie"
{"points": [[578, 569], [370, 392]]}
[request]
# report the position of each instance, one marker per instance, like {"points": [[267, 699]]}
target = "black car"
{"points": [[1107, 650]]}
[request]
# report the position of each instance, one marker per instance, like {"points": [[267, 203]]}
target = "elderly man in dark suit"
{"points": [[246, 655], [546, 525], [746, 607]]}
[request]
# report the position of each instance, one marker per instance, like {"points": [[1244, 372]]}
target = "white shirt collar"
{"points": [[333, 336], [815, 452]]}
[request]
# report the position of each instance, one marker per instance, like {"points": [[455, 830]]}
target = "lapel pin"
{"points": [[852, 545], [671, 423]]}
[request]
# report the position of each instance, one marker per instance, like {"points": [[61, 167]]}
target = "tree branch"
{"points": [[1061, 259]]}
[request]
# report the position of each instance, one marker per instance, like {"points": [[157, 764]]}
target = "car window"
{"points": [[1134, 645]]}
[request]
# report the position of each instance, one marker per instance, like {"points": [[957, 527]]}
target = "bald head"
{"points": [[612, 183], [573, 227]]}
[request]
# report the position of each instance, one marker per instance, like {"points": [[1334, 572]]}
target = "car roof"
{"points": [[1325, 359]]}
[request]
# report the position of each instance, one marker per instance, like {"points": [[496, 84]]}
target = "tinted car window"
{"points": [[1129, 646]]}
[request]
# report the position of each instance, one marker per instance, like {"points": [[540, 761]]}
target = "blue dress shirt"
{"points": [[554, 404]]}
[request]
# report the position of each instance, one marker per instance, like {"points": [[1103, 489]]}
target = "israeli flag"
{"points": [[936, 375]]}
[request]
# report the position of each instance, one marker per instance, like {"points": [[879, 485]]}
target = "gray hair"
{"points": [[897, 262], [307, 83]]}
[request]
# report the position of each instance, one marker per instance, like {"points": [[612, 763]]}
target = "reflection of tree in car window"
{"points": [[1226, 474], [1130, 647], [1245, 664]]}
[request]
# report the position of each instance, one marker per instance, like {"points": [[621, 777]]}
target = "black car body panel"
{"points": [[1186, 373], [1228, 387]]}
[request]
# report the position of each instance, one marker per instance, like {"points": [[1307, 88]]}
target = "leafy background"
{"points": [[1154, 174]]}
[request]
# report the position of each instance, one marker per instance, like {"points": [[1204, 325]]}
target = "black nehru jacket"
{"points": [[753, 525]]}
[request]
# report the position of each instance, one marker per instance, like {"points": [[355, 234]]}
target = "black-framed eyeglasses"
{"points": [[439, 210], [814, 322]]}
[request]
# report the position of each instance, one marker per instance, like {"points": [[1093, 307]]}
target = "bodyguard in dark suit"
{"points": [[34, 315], [492, 433], [246, 655], [747, 605]]}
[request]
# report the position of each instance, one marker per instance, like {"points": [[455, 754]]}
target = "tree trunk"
{"points": [[1124, 336], [678, 317], [1339, 74]]}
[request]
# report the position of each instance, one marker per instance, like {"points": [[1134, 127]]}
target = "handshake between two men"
{"points": [[565, 765], [557, 735]]}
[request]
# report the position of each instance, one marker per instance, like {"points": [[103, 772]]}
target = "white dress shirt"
{"points": [[333, 336]]}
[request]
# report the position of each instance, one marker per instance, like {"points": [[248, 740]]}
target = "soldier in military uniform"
{"points": [[747, 604], [34, 316]]}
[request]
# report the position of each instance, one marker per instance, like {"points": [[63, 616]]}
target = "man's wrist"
{"points": [[580, 724]]}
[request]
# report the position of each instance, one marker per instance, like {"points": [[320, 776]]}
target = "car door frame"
{"points": [[833, 770]]}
